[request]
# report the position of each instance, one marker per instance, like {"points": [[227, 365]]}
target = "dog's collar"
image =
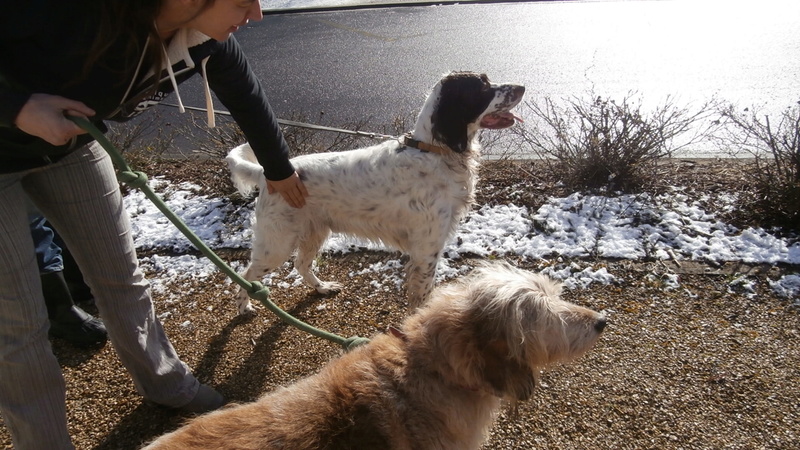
{"points": [[408, 141]]}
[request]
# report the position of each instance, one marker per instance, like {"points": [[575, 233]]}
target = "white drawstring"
{"points": [[199, 37], [172, 79], [209, 102]]}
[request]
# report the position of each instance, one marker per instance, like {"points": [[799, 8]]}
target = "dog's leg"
{"points": [[264, 259], [304, 263], [420, 273], [243, 298]]}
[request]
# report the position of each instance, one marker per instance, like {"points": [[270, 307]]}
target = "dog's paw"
{"points": [[246, 308], [328, 287]]}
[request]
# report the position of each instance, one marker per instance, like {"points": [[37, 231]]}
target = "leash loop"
{"points": [[136, 179], [353, 342], [255, 289], [258, 291]]}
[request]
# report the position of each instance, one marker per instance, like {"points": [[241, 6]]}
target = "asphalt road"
{"points": [[374, 64], [371, 66]]}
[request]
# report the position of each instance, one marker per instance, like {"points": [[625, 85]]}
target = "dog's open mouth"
{"points": [[497, 121]]}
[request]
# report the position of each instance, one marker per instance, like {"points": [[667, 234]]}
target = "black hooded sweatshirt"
{"points": [[43, 47]]}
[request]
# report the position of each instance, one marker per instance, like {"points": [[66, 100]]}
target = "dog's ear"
{"points": [[396, 332], [452, 133], [463, 97], [509, 377]]}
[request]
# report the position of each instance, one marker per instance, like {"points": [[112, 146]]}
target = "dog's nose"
{"points": [[518, 92], [601, 325]]}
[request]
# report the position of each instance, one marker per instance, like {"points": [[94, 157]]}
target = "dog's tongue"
{"points": [[499, 120], [516, 117]]}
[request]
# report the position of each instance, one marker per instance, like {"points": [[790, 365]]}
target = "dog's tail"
{"points": [[246, 172]]}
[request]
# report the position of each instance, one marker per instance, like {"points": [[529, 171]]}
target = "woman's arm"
{"points": [[235, 84]]}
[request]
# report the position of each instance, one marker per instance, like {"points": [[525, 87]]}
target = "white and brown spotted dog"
{"points": [[407, 195], [436, 383]]}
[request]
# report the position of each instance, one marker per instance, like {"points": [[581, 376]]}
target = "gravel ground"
{"points": [[699, 367]]}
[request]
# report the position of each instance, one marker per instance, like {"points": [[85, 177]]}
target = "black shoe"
{"points": [[68, 321], [78, 328]]}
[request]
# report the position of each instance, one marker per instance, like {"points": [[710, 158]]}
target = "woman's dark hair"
{"points": [[126, 19]]}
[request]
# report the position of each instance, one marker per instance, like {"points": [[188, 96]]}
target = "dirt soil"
{"points": [[703, 366]]}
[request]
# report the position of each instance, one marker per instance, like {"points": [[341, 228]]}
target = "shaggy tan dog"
{"points": [[437, 383]]}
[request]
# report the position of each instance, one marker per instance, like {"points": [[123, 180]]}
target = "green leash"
{"points": [[255, 289]]}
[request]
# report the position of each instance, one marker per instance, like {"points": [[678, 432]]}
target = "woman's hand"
{"points": [[43, 116], [291, 189]]}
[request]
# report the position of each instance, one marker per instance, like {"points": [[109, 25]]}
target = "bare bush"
{"points": [[145, 135], [602, 144], [502, 145], [303, 139], [775, 152], [214, 142]]}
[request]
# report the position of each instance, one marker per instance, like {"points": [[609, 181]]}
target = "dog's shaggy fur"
{"points": [[408, 199], [437, 383]]}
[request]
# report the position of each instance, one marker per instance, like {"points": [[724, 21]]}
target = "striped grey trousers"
{"points": [[81, 198]]}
